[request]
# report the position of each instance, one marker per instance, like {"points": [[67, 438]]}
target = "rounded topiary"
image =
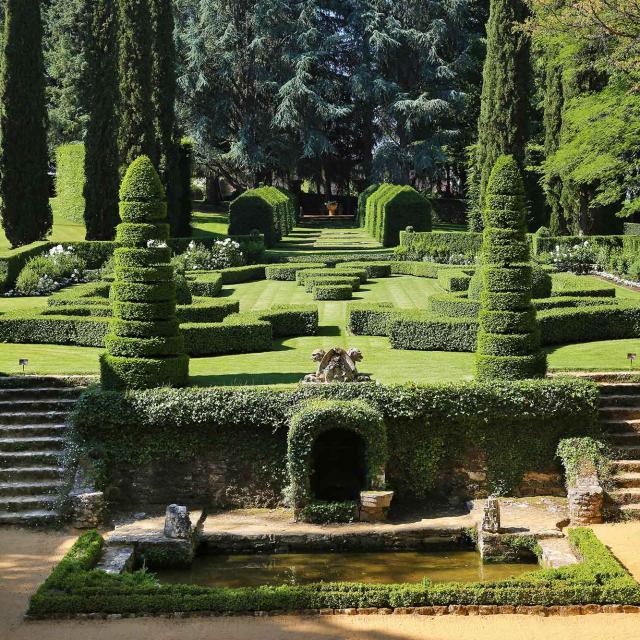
{"points": [[508, 345], [144, 347]]}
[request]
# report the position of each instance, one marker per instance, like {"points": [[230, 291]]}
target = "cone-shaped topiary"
{"points": [[508, 336], [144, 346]]}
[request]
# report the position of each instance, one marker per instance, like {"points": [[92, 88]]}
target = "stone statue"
{"points": [[336, 365]]}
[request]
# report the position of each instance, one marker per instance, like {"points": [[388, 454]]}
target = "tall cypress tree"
{"points": [[136, 135], [163, 99], [24, 160], [502, 126], [101, 98]]}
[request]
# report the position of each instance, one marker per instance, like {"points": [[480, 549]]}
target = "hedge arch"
{"points": [[320, 416]]}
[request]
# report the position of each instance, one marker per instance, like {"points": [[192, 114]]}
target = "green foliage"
{"points": [[269, 210], [100, 98], [319, 416], [69, 199], [136, 136], [506, 281], [583, 456], [319, 512], [438, 245], [454, 280], [289, 270], [312, 281], [206, 284], [391, 208], [502, 126], [371, 319], [238, 333], [363, 196], [339, 271], [24, 159], [74, 587], [566, 284], [423, 331], [142, 201], [332, 291], [373, 269]]}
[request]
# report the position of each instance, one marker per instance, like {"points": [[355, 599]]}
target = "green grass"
{"points": [[207, 222]]}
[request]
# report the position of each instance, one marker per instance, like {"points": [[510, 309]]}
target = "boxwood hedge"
{"points": [[288, 270], [332, 292]]}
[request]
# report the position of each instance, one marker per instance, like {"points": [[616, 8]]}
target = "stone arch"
{"points": [[319, 417]]}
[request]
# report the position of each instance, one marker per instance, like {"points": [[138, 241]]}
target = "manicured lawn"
{"points": [[48, 359], [207, 222]]}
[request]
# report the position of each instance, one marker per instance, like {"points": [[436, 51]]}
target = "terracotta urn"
{"points": [[332, 207]]}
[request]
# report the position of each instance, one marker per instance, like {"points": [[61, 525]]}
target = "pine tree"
{"points": [[24, 162], [164, 98], [508, 333], [502, 126], [100, 92], [136, 134]]}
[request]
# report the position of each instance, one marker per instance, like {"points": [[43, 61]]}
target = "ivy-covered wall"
{"points": [[239, 436]]}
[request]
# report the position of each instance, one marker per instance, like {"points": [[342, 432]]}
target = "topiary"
{"points": [[507, 278], [144, 348]]}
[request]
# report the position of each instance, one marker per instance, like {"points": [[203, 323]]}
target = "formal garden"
{"points": [[289, 324]]}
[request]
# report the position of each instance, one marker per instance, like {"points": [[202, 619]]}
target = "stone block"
{"points": [[177, 523], [87, 509]]}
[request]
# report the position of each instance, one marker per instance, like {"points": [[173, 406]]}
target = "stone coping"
{"points": [[452, 609]]}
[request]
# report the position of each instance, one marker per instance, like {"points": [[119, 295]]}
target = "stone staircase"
{"points": [[620, 418], [33, 411]]}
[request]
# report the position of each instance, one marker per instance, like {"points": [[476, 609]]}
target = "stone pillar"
{"points": [[374, 505], [491, 518], [586, 501], [177, 523]]}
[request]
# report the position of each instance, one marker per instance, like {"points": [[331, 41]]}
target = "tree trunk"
{"points": [[213, 194]]}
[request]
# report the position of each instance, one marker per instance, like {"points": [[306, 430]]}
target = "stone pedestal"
{"points": [[374, 505], [87, 509], [586, 500], [491, 517], [177, 523]]}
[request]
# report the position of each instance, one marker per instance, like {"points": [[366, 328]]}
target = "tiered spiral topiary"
{"points": [[144, 346], [508, 337]]}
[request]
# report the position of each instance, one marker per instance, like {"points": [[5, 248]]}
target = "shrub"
{"points": [[338, 271], [564, 284], [332, 292], [391, 208], [235, 275], [352, 281], [69, 200], [288, 271], [506, 281], [440, 246], [336, 259], [44, 274], [453, 280], [373, 269], [238, 333], [371, 319], [221, 255], [205, 284], [579, 259], [362, 203], [319, 512], [423, 331], [419, 269], [291, 320], [142, 200], [267, 209]]}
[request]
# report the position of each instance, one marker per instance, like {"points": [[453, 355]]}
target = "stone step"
{"points": [[624, 496], [630, 511], [36, 487], [49, 404], [629, 480], [630, 438], [27, 502], [29, 473], [29, 458], [32, 443], [33, 417], [625, 400], [26, 430], [625, 466], [619, 388], [618, 413], [33, 516], [626, 451], [620, 426], [40, 393]]}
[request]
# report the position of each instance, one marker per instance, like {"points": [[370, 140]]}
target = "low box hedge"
{"points": [[288, 271], [75, 587], [338, 271], [371, 319], [312, 281], [373, 269], [453, 280], [205, 284], [423, 331], [420, 269], [238, 333], [119, 373], [291, 320], [332, 292], [333, 259], [567, 284]]}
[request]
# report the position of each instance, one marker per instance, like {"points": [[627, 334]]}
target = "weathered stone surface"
{"points": [[556, 553], [491, 518], [177, 523], [586, 501], [87, 509], [374, 505], [117, 559]]}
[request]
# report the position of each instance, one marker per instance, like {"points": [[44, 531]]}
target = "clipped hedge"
{"points": [[419, 244], [339, 271], [420, 269], [334, 259], [373, 269], [423, 331], [69, 200], [205, 284], [74, 587], [248, 273], [288, 271], [371, 319], [312, 281], [363, 196], [567, 284], [238, 333], [453, 280], [332, 292], [391, 208], [291, 320], [269, 210]]}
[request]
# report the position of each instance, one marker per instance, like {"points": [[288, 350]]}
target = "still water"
{"points": [[302, 568]]}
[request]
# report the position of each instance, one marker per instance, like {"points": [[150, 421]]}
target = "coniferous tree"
{"points": [[24, 163], [502, 126], [100, 91], [163, 98], [136, 128]]}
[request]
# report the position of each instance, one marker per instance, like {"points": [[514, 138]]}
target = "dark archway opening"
{"points": [[339, 466]]}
